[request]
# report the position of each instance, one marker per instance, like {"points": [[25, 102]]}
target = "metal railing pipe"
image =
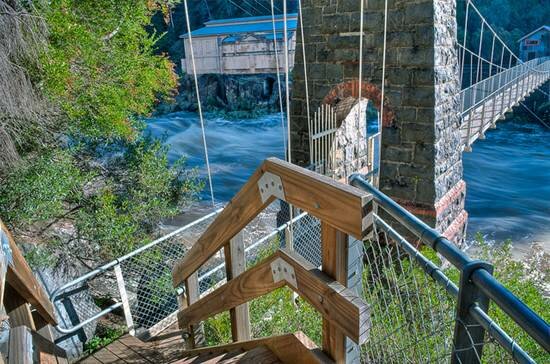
{"points": [[518, 311], [427, 234], [500, 336], [522, 315]]}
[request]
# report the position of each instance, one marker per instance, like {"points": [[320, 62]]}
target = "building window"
{"points": [[531, 42]]}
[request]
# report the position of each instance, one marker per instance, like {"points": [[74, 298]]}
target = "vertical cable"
{"points": [[199, 102], [278, 74]]}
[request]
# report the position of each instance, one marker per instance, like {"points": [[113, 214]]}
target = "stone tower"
{"points": [[421, 160]]}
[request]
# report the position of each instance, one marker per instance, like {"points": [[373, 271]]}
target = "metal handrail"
{"points": [[59, 292], [508, 82], [518, 311], [55, 295]]}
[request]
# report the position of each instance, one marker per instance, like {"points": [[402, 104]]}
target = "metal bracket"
{"points": [[467, 330], [283, 271], [271, 185], [5, 248]]}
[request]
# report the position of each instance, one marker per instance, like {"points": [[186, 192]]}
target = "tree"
{"points": [[98, 186]]}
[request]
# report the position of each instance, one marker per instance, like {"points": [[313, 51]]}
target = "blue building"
{"points": [[535, 44], [240, 45]]}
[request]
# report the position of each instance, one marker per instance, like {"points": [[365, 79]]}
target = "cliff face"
{"points": [[235, 95]]}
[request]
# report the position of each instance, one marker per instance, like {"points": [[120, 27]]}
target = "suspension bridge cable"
{"points": [[305, 67], [287, 100], [287, 81], [199, 102], [278, 74], [361, 31], [239, 7], [383, 88], [262, 5], [534, 114]]}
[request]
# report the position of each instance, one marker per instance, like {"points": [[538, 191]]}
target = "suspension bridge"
{"points": [[360, 258]]}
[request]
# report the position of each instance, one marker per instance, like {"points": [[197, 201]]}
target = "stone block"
{"points": [[334, 24], [418, 96], [334, 72], [397, 154], [419, 13]]}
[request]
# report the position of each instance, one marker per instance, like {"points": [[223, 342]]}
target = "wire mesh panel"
{"points": [[148, 277], [412, 318]]}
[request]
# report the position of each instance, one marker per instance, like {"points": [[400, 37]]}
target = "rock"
{"points": [[74, 309], [227, 93]]}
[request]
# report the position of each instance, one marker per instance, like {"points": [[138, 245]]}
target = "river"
{"points": [[507, 174]]}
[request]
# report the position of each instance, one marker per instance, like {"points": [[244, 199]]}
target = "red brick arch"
{"points": [[368, 91]]}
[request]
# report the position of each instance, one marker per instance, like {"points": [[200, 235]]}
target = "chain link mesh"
{"points": [[412, 316]]}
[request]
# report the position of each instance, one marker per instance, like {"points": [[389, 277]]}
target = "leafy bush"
{"points": [[105, 338]]}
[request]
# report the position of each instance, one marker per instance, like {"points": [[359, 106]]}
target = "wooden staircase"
{"points": [[343, 211], [276, 349]]}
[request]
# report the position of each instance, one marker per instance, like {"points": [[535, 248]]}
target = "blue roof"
{"points": [[257, 24]]}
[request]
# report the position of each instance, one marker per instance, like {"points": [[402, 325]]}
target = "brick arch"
{"points": [[368, 91]]}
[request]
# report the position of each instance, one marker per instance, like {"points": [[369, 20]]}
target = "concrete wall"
{"points": [[421, 160]]}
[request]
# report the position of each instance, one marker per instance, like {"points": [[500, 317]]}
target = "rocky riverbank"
{"points": [[231, 96]]}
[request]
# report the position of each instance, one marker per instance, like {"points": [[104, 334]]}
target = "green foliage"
{"points": [[513, 274], [105, 338], [273, 314], [141, 188], [405, 304], [39, 189], [100, 65], [40, 256], [509, 18]]}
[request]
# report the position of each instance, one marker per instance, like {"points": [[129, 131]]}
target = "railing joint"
{"points": [[468, 341]]}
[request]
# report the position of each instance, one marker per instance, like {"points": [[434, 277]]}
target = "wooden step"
{"points": [[289, 348], [258, 355]]}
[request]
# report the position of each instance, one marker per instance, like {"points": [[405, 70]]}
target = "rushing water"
{"points": [[508, 183], [507, 175]]}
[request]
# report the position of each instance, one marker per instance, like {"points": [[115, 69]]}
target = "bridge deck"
{"points": [[486, 113]]}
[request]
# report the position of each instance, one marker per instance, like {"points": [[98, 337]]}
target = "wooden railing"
{"points": [[30, 335], [343, 210]]}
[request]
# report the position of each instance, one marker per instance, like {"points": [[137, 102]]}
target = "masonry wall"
{"points": [[421, 159]]}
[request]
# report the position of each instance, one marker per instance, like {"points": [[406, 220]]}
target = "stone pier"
{"points": [[421, 161]]}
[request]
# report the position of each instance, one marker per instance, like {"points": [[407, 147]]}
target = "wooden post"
{"points": [[20, 346], [18, 309], [334, 258], [124, 299], [235, 264], [343, 260], [196, 332]]}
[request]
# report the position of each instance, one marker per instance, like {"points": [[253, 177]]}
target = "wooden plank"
{"points": [[20, 346], [124, 299], [19, 311], [235, 216], [289, 348], [196, 331], [343, 206], [339, 305], [253, 283], [334, 264], [235, 264], [21, 278], [46, 351]]}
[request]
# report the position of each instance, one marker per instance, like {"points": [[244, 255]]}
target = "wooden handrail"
{"points": [[20, 279], [345, 207], [336, 303]]}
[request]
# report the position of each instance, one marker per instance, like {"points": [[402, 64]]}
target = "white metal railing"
{"points": [[483, 103], [153, 307]]}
